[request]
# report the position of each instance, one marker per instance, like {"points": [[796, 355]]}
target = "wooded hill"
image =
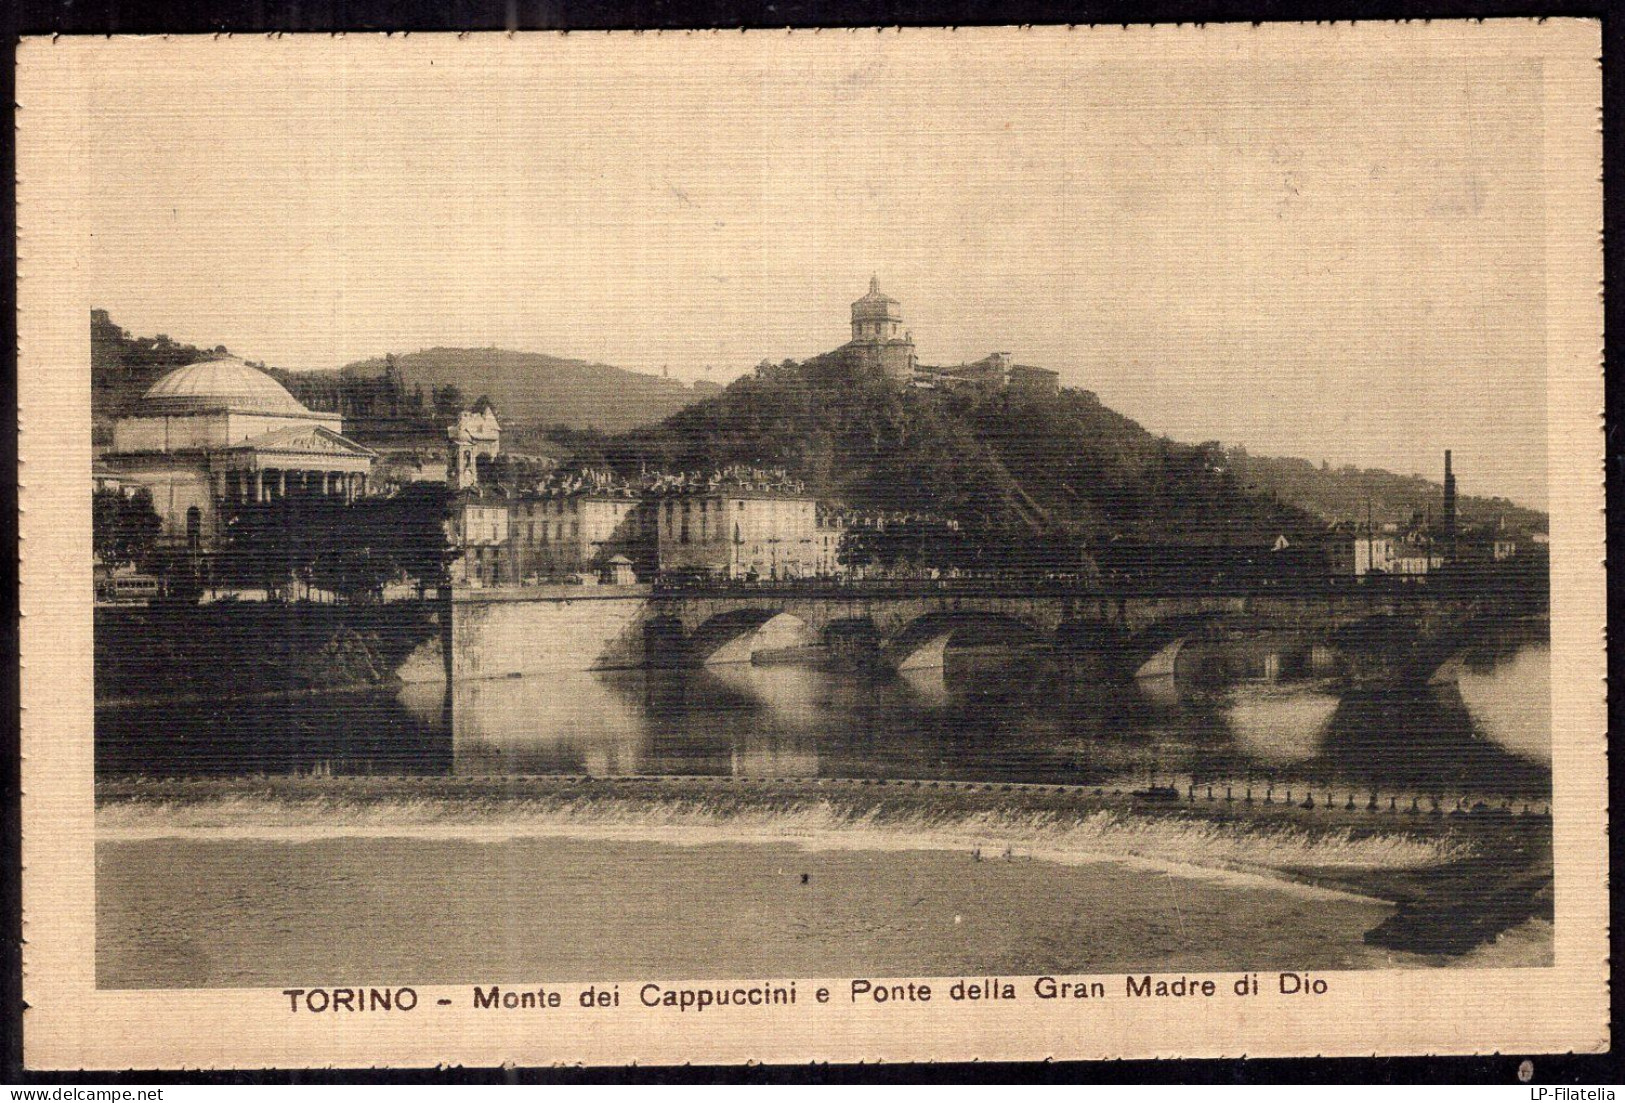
{"points": [[531, 389], [1059, 470], [1342, 493], [1064, 464], [389, 397]]}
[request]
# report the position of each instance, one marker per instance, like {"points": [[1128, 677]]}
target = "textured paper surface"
{"points": [[70, 1023]]}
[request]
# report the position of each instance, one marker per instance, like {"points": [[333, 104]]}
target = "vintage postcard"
{"points": [[884, 545]]}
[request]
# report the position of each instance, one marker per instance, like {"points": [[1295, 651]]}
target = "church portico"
{"points": [[249, 485], [319, 464]]}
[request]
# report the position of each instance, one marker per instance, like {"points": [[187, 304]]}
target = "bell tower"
{"points": [[475, 433]]}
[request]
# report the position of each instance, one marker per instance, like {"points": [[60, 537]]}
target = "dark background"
{"points": [[34, 17]]}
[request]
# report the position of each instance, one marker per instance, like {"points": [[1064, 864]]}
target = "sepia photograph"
{"points": [[1017, 519]]}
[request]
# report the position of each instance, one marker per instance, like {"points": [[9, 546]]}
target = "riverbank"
{"points": [[1441, 886]]}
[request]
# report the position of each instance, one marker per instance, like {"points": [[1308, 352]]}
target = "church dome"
{"points": [[224, 383], [876, 305]]}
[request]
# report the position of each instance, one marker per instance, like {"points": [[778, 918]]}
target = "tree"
{"points": [[259, 547], [124, 528], [448, 401], [407, 533]]}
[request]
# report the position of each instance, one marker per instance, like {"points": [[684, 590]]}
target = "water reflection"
{"points": [[1512, 700], [1281, 726], [989, 714], [342, 733]]}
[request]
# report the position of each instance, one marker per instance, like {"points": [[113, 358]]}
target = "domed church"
{"points": [[878, 338], [210, 437]]}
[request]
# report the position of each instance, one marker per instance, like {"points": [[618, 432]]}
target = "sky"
{"points": [[1301, 243]]}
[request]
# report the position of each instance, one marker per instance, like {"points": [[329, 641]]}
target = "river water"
{"points": [[237, 909], [989, 714]]}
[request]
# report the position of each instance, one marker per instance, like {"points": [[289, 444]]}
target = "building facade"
{"points": [[563, 533], [480, 526], [1353, 552], [609, 536], [741, 532], [991, 373], [213, 437]]}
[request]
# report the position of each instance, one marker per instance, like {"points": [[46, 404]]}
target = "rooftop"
{"points": [[223, 383]]}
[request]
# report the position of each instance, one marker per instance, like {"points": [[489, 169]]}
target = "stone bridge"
{"points": [[498, 633]]}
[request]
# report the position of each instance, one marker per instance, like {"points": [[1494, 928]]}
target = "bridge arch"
{"points": [[922, 643], [739, 634], [1161, 635]]}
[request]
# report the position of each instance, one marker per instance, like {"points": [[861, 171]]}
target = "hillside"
{"points": [[406, 396], [532, 389], [1066, 466], [1341, 493], [1063, 471]]}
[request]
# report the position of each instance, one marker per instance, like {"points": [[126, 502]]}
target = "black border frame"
{"points": [[36, 17]]}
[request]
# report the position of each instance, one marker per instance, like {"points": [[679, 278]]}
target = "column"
{"points": [[282, 482], [259, 486]]}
